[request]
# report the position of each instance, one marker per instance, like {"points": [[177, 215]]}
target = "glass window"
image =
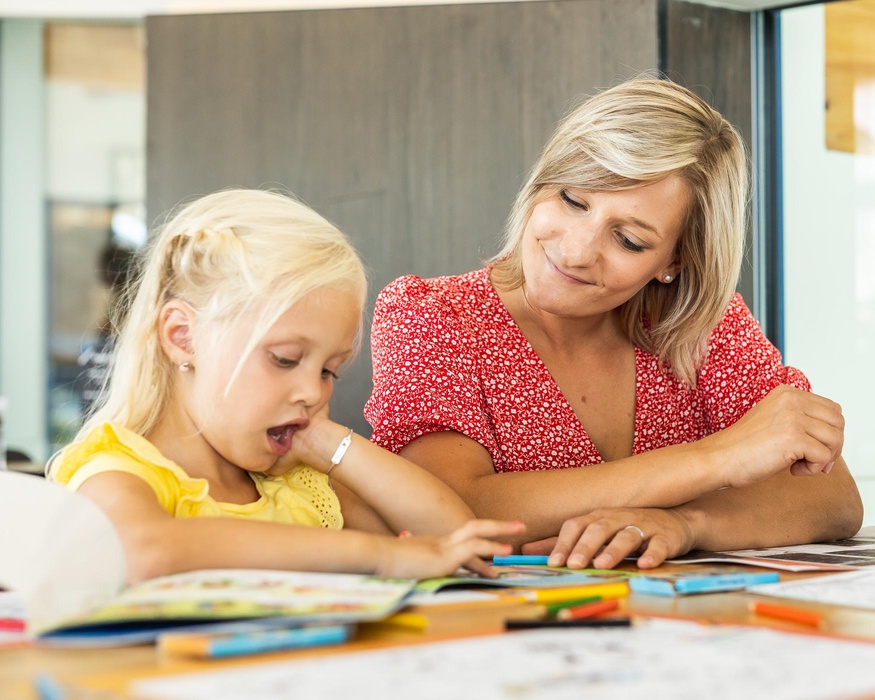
{"points": [[828, 133], [95, 191]]}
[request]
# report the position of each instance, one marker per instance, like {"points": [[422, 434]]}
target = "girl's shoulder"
{"points": [[112, 447]]}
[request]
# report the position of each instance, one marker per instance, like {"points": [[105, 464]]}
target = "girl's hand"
{"points": [[430, 557], [313, 446], [603, 538], [789, 428]]}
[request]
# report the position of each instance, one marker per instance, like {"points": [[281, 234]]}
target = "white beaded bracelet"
{"points": [[340, 451]]}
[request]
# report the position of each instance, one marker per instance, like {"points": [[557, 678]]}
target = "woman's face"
{"points": [[587, 253]]}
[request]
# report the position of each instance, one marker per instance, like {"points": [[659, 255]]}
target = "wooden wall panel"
{"points": [[412, 128], [708, 50]]}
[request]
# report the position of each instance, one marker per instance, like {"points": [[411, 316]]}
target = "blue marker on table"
{"points": [[516, 559]]}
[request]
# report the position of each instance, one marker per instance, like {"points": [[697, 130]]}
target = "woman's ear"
{"points": [[670, 272], [174, 329]]}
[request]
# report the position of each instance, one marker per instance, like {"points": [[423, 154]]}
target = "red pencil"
{"points": [[578, 612], [11, 624]]}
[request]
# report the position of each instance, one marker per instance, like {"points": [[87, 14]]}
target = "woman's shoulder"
{"points": [[737, 324], [412, 291]]}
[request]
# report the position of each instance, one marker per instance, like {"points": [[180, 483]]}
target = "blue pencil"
{"points": [[224, 645], [516, 559]]}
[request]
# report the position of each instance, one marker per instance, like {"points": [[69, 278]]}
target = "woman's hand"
{"points": [[604, 538], [429, 557], [789, 428]]}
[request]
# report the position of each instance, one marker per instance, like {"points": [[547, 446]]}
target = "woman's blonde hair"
{"points": [[227, 255], [634, 134]]}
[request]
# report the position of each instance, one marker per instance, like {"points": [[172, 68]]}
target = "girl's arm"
{"points": [[788, 432], [156, 543], [404, 496]]}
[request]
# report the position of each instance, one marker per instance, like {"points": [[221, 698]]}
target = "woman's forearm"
{"points": [[781, 510]]}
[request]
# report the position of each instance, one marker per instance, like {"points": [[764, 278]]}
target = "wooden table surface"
{"points": [[107, 671]]}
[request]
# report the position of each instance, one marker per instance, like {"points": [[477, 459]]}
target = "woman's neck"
{"points": [[560, 334]]}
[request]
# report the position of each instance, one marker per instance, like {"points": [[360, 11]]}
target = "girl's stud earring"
{"points": [[667, 278], [185, 367]]}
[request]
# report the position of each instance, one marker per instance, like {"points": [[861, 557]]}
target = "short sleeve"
{"points": [[741, 367], [425, 361]]}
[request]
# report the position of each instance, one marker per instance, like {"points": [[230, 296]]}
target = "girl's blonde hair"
{"points": [[634, 134], [227, 255]]}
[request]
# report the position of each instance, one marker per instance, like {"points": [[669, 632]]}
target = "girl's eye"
{"points": [[284, 361], [572, 202], [328, 374], [629, 244]]}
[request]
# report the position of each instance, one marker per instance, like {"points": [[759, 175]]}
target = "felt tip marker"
{"points": [[569, 624], [781, 612]]}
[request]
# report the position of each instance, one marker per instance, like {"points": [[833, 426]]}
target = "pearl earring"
{"points": [[667, 278], [185, 367]]}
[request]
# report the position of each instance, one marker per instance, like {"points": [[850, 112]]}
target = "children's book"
{"points": [[240, 596], [709, 580], [65, 567]]}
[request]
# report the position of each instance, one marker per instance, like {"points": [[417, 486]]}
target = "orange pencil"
{"points": [[803, 617], [578, 612]]}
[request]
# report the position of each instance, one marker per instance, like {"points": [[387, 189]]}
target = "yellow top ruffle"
{"points": [[301, 496]]}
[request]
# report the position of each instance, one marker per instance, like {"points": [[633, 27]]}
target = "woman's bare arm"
{"points": [[789, 431]]}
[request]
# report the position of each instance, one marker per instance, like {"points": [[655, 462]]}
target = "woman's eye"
{"points": [[572, 202], [629, 244]]}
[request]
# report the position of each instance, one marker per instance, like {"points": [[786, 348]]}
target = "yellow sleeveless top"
{"points": [[301, 496]]}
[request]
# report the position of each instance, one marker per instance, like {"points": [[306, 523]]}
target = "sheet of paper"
{"points": [[59, 551], [655, 659], [854, 589], [852, 553]]}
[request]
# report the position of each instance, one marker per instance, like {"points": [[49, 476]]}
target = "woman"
{"points": [[601, 370]]}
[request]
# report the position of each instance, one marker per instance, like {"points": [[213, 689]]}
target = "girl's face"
{"points": [[282, 384], [587, 253]]}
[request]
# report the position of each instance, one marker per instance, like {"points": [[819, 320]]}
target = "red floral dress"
{"points": [[448, 356]]}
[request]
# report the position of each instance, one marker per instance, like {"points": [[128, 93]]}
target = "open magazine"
{"points": [[61, 558], [839, 555]]}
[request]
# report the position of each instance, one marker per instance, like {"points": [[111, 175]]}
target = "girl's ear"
{"points": [[174, 329]]}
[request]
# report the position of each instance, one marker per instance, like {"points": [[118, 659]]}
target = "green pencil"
{"points": [[556, 607]]}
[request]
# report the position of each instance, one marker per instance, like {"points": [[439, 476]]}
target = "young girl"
{"points": [[212, 446]]}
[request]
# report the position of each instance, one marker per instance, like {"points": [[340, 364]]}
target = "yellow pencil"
{"points": [[607, 591]]}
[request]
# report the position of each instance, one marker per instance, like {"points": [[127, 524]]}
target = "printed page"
{"points": [[59, 551], [854, 589], [840, 555], [653, 659]]}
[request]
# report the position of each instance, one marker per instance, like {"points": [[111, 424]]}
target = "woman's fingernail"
{"points": [[645, 562], [554, 560], [603, 561], [575, 560]]}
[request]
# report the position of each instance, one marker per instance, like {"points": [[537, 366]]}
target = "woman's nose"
{"points": [[581, 244]]}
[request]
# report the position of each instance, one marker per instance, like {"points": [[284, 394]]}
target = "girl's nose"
{"points": [[308, 389]]}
